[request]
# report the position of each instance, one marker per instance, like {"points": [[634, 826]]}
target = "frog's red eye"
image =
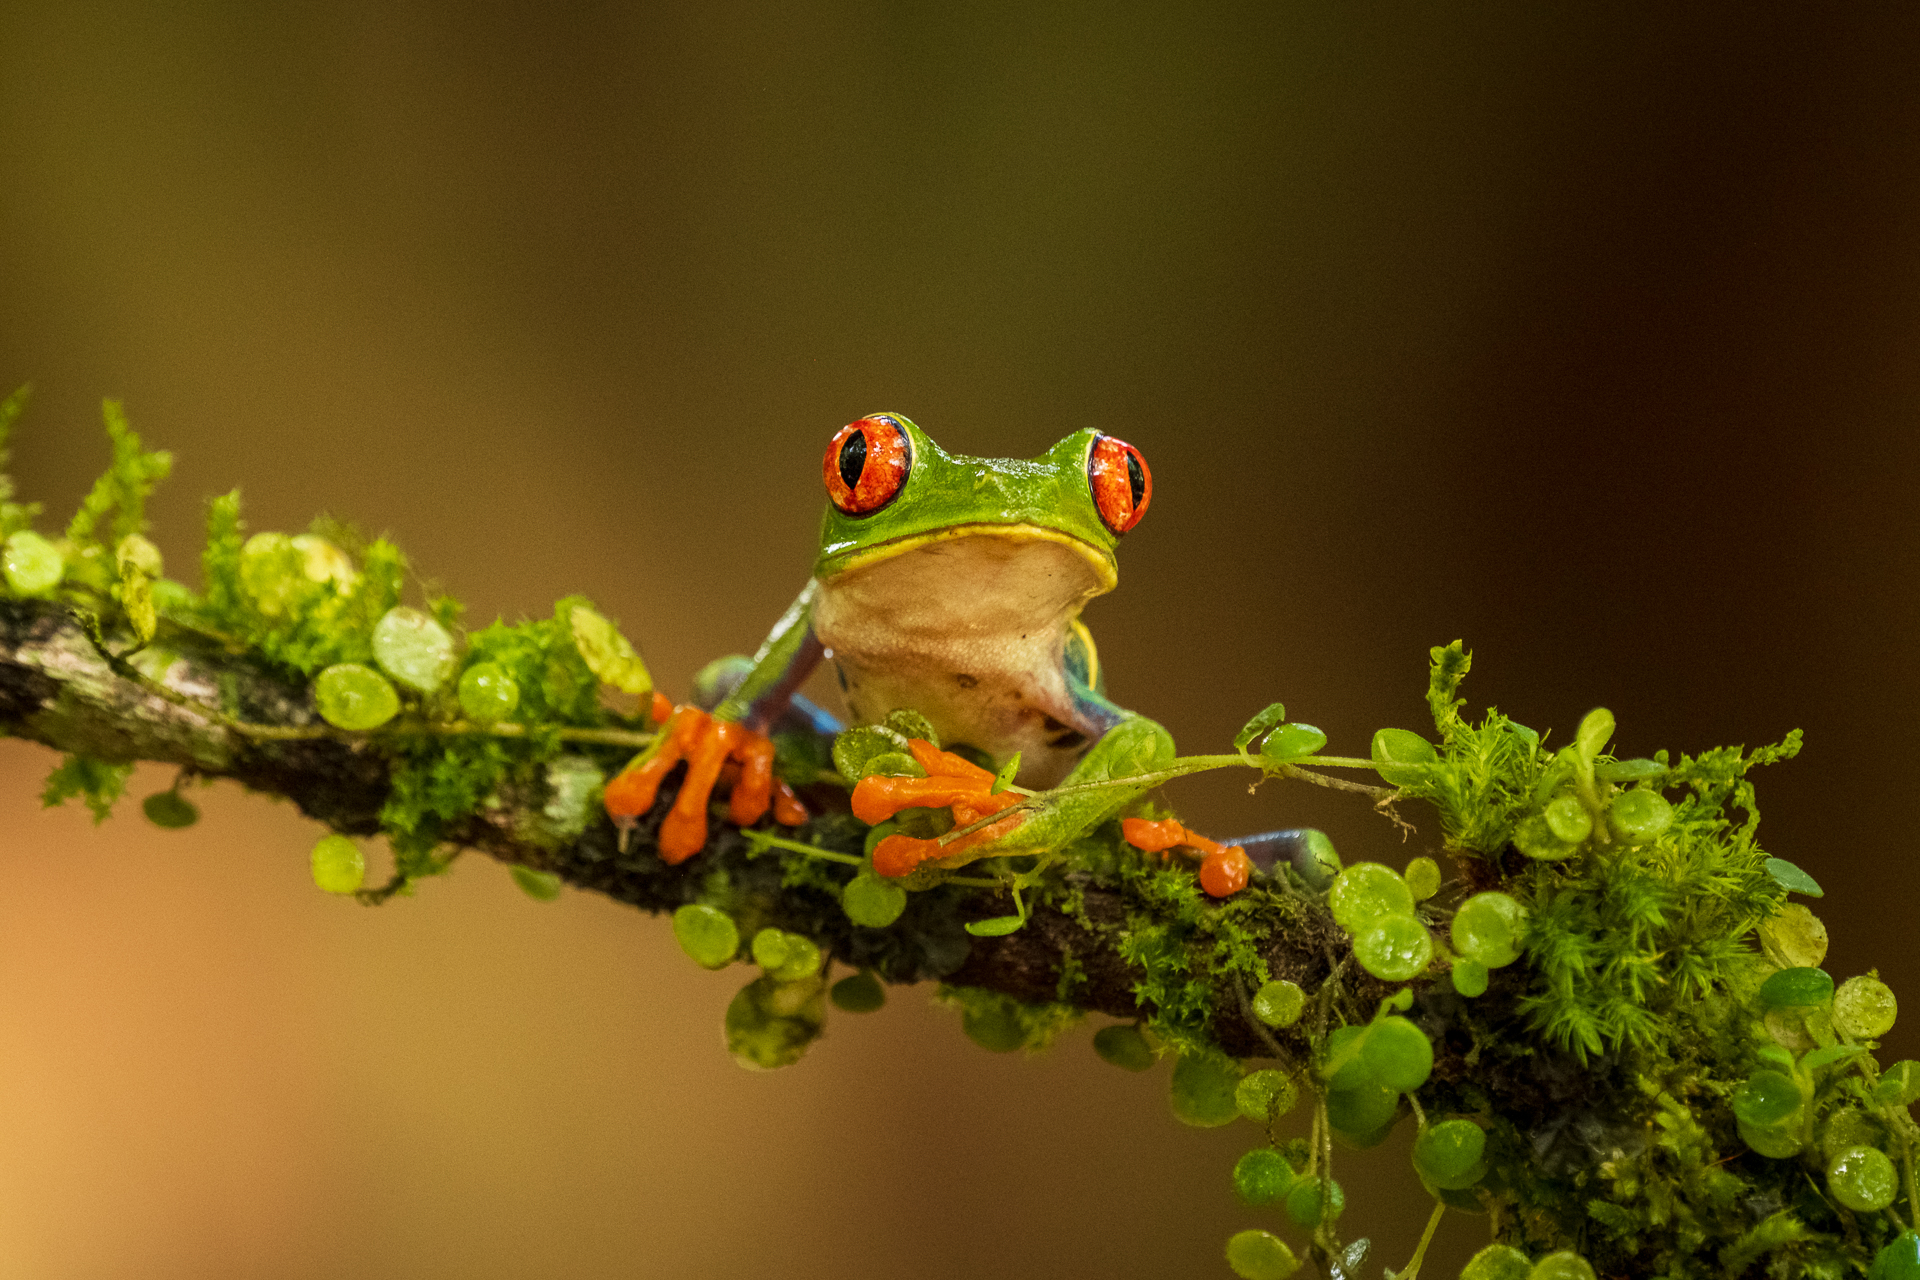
{"points": [[1122, 485], [866, 464]]}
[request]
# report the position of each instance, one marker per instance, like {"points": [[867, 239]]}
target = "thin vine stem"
{"points": [[1412, 1270]]}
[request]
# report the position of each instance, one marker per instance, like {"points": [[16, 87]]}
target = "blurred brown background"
{"points": [[1587, 333]]}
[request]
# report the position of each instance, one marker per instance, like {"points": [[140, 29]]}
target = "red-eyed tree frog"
{"points": [[951, 586]]}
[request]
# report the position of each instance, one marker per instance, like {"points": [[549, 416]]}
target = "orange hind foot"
{"points": [[952, 783]]}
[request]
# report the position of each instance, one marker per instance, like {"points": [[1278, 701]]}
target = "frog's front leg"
{"points": [[1134, 747], [734, 733]]}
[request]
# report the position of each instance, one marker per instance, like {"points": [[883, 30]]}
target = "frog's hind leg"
{"points": [[1224, 868], [1305, 849]]}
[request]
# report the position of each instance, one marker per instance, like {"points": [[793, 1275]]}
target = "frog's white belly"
{"points": [[970, 632]]}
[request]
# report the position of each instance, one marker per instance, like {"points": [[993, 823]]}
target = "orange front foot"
{"points": [[707, 745], [1224, 868], [951, 783]]}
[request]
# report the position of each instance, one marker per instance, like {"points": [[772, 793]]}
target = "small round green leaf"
{"points": [[1793, 879], [1449, 1154], [799, 958], [272, 573], [1864, 1008], [607, 653], [321, 561], [995, 926], [31, 564], [1899, 1084], [1629, 770], [853, 748], [1364, 1110], [894, 764], [909, 723], [1313, 1200], [1796, 988], [872, 902], [487, 693], [1490, 928], [1767, 1098], [1367, 892], [354, 697], [1899, 1260], [1863, 1179], [706, 933], [1533, 835], [1272, 714], [1775, 1143], [1394, 949], [337, 864], [414, 649], [1315, 859], [1292, 742], [858, 993], [1423, 878], [1469, 977], [1342, 1065], [1401, 757], [1397, 1054], [1564, 1265], [541, 886], [1568, 819], [1279, 1003], [1262, 1176], [1595, 731], [169, 809], [1260, 1255], [1265, 1095], [1639, 816], [1497, 1262], [770, 1025], [993, 1025], [1124, 1047], [769, 948], [1202, 1091], [1793, 937]]}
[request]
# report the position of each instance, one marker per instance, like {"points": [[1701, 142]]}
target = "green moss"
{"points": [[97, 782], [116, 506]]}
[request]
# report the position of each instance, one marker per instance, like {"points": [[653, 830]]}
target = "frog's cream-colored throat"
{"points": [[1104, 572], [968, 627]]}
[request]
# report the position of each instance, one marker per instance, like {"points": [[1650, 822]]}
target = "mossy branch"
{"points": [[61, 687], [1609, 1027]]}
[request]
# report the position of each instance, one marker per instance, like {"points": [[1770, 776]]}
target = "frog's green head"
{"points": [[894, 491]]}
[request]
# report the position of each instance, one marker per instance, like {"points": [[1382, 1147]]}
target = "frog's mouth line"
{"points": [[1097, 560]]}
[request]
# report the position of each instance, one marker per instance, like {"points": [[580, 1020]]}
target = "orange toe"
{"points": [[787, 809], [1225, 871], [753, 792], [710, 747]]}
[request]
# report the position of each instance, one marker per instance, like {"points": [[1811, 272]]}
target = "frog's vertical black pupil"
{"points": [[1135, 480], [853, 459]]}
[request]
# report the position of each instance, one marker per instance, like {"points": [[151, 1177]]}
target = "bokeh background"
{"points": [[1588, 333]]}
